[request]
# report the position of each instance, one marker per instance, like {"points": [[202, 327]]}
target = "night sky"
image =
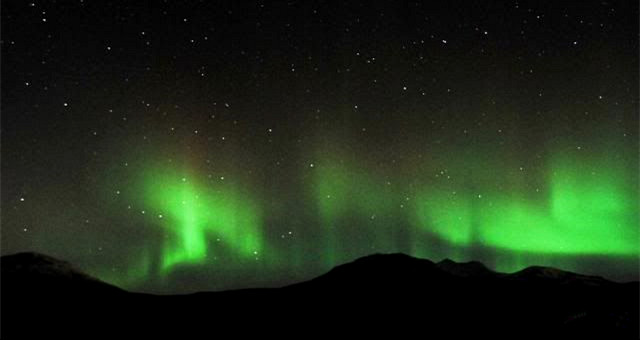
{"points": [[176, 146]]}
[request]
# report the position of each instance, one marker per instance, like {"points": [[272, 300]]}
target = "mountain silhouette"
{"points": [[43, 296], [468, 269]]}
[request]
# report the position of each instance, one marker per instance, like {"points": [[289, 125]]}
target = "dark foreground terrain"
{"points": [[375, 295]]}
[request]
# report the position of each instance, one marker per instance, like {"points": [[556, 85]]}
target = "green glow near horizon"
{"points": [[339, 190], [138, 270], [198, 219], [585, 207], [586, 213], [446, 214], [342, 194]]}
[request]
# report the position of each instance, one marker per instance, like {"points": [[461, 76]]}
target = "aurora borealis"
{"points": [[192, 217], [177, 146]]}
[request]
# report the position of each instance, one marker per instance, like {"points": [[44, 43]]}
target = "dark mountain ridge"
{"points": [[42, 296]]}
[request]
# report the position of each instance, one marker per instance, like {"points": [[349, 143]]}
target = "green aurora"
{"points": [[584, 214], [356, 213], [195, 216], [182, 147]]}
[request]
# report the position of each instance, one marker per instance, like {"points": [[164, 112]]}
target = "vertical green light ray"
{"points": [[339, 190], [585, 213], [446, 214], [346, 200], [194, 218]]}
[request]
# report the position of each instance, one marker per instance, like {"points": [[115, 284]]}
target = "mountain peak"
{"points": [[465, 269], [557, 275], [41, 271], [384, 287], [31, 262]]}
